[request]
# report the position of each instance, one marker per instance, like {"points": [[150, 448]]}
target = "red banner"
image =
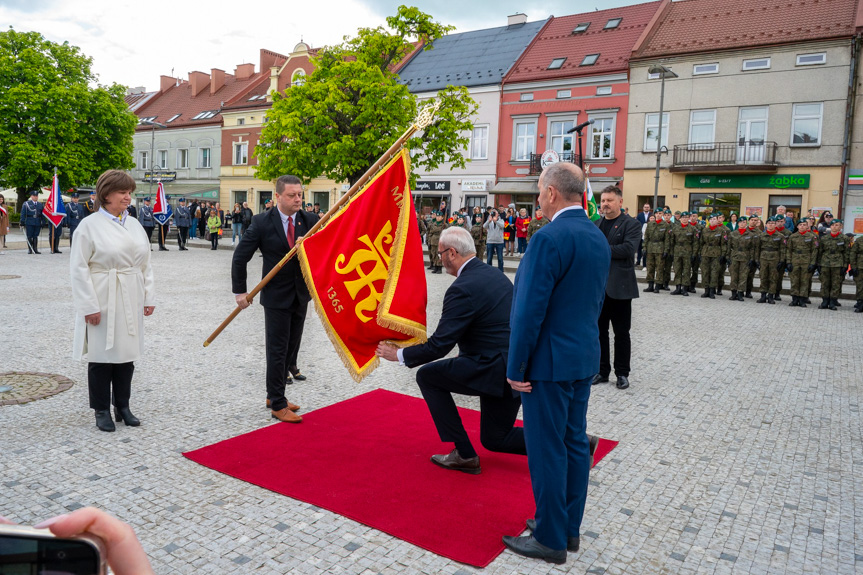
{"points": [[366, 273]]}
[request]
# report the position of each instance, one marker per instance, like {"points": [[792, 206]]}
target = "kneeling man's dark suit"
{"points": [[475, 316]]}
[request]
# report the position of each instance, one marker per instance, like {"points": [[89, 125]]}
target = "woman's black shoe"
{"points": [[123, 414], [103, 420], [297, 375]]}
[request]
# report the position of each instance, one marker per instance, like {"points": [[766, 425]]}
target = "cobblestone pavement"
{"points": [[740, 437]]}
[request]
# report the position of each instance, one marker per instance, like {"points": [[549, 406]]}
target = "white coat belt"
{"points": [[124, 278]]}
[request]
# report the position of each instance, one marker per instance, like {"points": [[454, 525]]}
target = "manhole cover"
{"points": [[18, 387], [2, 277]]}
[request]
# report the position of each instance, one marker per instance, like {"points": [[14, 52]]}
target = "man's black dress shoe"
{"points": [[571, 542], [164, 250], [622, 382], [456, 462], [530, 547], [103, 420], [599, 379], [295, 372]]}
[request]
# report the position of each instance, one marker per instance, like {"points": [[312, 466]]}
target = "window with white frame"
{"points": [[525, 140], [205, 158], [699, 69], [756, 64], [564, 93], [806, 124], [526, 97], [811, 59], [651, 131], [144, 161], [702, 128], [603, 90], [602, 138], [241, 153], [183, 158], [479, 143], [162, 159], [560, 141]]}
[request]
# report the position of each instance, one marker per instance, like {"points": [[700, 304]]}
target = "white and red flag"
{"points": [[54, 209]]}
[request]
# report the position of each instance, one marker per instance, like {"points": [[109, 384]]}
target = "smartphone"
{"points": [[28, 551]]}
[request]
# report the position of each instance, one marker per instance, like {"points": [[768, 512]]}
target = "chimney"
{"points": [[244, 71], [517, 18], [166, 82], [199, 81], [217, 80]]}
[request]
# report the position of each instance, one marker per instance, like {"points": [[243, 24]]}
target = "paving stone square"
{"points": [[740, 437]]}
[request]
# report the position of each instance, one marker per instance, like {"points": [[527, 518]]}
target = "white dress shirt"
{"points": [[292, 217], [120, 220], [566, 209]]}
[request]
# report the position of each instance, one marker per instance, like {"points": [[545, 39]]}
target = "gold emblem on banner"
{"points": [[376, 253]]}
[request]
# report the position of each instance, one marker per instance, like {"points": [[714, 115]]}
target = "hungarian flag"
{"points": [[366, 273], [54, 209], [589, 202]]}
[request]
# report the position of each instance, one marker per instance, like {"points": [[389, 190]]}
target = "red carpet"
{"points": [[367, 458]]}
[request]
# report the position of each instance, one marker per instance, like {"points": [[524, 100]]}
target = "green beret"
{"points": [[802, 221], [666, 210], [835, 221], [742, 219], [712, 215], [683, 214]]}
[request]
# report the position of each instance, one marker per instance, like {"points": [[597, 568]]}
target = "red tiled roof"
{"points": [[136, 100], [557, 40], [693, 26]]}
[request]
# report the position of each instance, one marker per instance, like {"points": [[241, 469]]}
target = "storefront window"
{"points": [[792, 205], [707, 203]]}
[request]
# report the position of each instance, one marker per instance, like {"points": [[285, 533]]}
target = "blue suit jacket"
{"points": [[557, 298]]}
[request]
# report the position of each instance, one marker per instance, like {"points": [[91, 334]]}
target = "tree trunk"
{"points": [[22, 196]]}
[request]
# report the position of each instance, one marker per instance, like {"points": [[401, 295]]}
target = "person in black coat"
{"points": [[623, 233], [475, 317], [285, 298]]}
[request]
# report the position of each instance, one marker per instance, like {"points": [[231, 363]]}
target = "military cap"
{"points": [[802, 221], [73, 195], [182, 200], [666, 210], [683, 214], [34, 193], [93, 192], [677, 212], [712, 215], [146, 199], [742, 219], [835, 221]]}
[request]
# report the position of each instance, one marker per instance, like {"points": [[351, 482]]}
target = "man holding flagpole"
{"points": [[31, 219], [55, 212]]}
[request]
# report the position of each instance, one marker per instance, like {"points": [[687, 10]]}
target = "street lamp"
{"points": [[663, 73], [152, 150]]}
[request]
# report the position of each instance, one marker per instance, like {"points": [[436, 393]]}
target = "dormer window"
{"points": [[590, 60], [581, 28], [556, 63], [172, 118], [205, 115], [613, 23]]}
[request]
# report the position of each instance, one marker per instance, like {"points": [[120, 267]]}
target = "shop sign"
{"points": [[432, 186], [159, 176], [473, 185], [772, 181], [855, 215]]}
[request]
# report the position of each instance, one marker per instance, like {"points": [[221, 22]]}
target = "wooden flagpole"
{"points": [[422, 121]]}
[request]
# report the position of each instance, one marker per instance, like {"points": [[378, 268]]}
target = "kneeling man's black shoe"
{"points": [[622, 382], [453, 460], [530, 547], [571, 542], [599, 379]]}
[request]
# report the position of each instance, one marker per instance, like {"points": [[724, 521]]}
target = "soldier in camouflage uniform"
{"points": [[478, 233], [655, 237], [770, 255], [712, 247], [536, 223], [435, 227], [683, 245], [856, 262], [741, 254], [813, 229], [802, 255], [780, 228], [721, 282], [693, 279], [754, 228], [667, 264], [422, 228], [833, 259]]}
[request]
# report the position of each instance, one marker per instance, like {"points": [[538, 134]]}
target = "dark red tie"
{"points": [[290, 232]]}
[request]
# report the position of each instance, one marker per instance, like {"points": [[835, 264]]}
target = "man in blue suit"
{"points": [[475, 317], [553, 356]]}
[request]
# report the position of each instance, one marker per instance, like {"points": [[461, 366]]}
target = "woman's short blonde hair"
{"points": [[110, 182]]}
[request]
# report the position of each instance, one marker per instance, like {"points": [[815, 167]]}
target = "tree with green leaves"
{"points": [[352, 108], [52, 116]]}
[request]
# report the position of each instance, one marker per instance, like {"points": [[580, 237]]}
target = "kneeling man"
{"points": [[475, 316]]}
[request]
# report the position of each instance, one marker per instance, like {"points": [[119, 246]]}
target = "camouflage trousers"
{"points": [[779, 276], [858, 282], [831, 282], [769, 278], [800, 280], [693, 278], [434, 257], [655, 265], [710, 272], [739, 271], [682, 270], [750, 280], [666, 271]]}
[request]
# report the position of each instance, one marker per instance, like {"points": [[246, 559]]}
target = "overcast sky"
{"points": [[133, 43]]}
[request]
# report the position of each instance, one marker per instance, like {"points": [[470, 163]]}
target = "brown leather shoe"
{"points": [[287, 416], [291, 406], [456, 462]]}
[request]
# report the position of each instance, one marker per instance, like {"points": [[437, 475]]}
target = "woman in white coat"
{"points": [[112, 291]]}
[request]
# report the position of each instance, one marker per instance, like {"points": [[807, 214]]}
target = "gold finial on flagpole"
{"points": [[426, 115]]}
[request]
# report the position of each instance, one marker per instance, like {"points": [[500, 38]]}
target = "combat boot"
{"points": [[777, 297], [678, 290], [665, 287], [733, 295], [770, 299], [763, 298], [801, 301], [824, 302], [836, 302], [859, 307], [805, 300], [794, 301], [649, 287], [437, 270], [749, 295], [740, 296], [718, 291], [831, 304], [712, 293], [706, 292], [684, 291], [692, 287]]}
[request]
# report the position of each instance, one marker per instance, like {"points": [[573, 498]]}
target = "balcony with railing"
{"points": [[742, 156], [536, 161]]}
